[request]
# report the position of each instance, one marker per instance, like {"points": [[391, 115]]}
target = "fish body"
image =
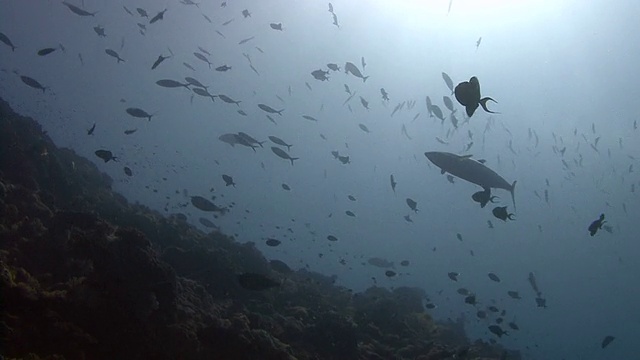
{"points": [[596, 225], [385, 96], [45, 51], [412, 205], [159, 16], [223, 68], [114, 54], [78, 11], [333, 67], [246, 13], [100, 31], [447, 80], [33, 83], [201, 57], [194, 82], [245, 40], [320, 74], [483, 197], [228, 180], [501, 213], [228, 100], [393, 183], [470, 170], [158, 61], [276, 26], [282, 154], [269, 109], [350, 68], [468, 95], [497, 330], [168, 83], [91, 129], [106, 155], [204, 93], [139, 113], [5, 39]]}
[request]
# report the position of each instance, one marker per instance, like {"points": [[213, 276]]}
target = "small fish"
{"points": [[364, 103], [501, 213], [188, 66], [246, 13], [364, 128], [606, 341], [243, 41], [596, 225], [335, 19], [142, 12], [489, 224], [408, 218], [114, 54], [364, 64], [256, 282], [100, 31], [435, 109], [459, 236], [46, 51], [390, 273], [33, 83], [228, 100], [78, 11], [269, 109], [194, 82], [353, 70], [139, 113], [5, 39], [159, 16], [127, 10], [481, 314], [309, 117], [393, 183], [273, 242], [333, 67], [168, 83], [223, 68], [471, 300], [282, 154], [204, 93], [91, 129], [129, 132], [127, 171], [412, 204], [493, 277], [276, 26], [478, 43], [385, 95], [483, 197], [346, 89], [351, 197], [497, 330], [201, 57], [228, 180], [514, 294], [447, 80], [344, 159], [320, 74], [453, 275], [513, 326], [158, 61], [105, 155]]}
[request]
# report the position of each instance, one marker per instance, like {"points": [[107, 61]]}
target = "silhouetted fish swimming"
{"points": [[468, 95], [470, 170]]}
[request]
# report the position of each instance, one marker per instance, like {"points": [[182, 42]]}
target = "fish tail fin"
{"points": [[364, 79], [513, 195], [483, 103], [292, 160]]}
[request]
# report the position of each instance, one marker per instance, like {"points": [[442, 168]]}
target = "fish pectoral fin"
{"points": [[442, 171]]}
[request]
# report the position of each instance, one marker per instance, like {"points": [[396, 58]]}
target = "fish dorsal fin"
{"points": [[462, 157]]}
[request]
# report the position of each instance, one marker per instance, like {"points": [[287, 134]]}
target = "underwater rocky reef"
{"points": [[87, 275]]}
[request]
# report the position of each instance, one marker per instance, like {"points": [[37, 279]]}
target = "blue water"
{"points": [[562, 72]]}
